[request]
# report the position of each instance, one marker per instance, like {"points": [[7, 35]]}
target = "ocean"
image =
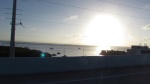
{"points": [[65, 49]]}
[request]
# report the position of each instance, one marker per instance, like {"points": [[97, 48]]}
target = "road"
{"points": [[122, 75]]}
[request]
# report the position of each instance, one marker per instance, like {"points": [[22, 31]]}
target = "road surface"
{"points": [[122, 75]]}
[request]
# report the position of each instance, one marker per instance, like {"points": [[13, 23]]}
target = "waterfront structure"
{"points": [[138, 50]]}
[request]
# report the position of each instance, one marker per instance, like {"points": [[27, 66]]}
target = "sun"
{"points": [[104, 30]]}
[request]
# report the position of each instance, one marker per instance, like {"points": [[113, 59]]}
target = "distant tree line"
{"points": [[112, 52], [23, 52]]}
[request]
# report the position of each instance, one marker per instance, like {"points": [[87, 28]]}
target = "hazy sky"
{"points": [[84, 22]]}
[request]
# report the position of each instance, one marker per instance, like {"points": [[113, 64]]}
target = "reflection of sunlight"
{"points": [[104, 30], [100, 48]]}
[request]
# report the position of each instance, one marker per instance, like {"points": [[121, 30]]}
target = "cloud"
{"points": [[76, 36], [146, 38], [147, 27], [74, 17], [147, 6], [133, 39], [79, 36], [2, 18]]}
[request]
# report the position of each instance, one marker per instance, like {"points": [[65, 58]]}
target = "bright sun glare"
{"points": [[104, 30]]}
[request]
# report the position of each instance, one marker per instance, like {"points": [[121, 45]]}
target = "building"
{"points": [[138, 50]]}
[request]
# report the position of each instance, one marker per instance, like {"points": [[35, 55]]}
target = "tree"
{"points": [[112, 52], [103, 52]]}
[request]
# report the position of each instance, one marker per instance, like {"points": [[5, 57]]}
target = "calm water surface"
{"points": [[69, 50]]}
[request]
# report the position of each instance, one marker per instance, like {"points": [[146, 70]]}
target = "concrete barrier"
{"points": [[17, 66], [127, 60], [20, 66]]}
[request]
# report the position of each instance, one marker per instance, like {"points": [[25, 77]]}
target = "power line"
{"points": [[123, 5], [53, 22], [143, 1], [48, 13], [70, 24], [38, 16], [87, 9], [91, 9], [65, 16]]}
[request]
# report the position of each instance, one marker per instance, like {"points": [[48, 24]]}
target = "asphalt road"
{"points": [[124, 75]]}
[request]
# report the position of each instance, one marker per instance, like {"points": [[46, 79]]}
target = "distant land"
{"points": [[122, 48], [23, 52], [38, 43]]}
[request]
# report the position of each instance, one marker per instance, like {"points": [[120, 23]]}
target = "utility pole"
{"points": [[12, 40]]}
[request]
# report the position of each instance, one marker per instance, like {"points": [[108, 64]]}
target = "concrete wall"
{"points": [[127, 60], [16, 66]]}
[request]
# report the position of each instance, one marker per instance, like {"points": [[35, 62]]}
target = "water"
{"points": [[68, 50]]}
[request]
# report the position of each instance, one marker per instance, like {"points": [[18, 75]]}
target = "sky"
{"points": [[80, 22]]}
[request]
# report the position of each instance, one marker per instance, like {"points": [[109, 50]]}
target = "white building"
{"points": [[138, 50]]}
